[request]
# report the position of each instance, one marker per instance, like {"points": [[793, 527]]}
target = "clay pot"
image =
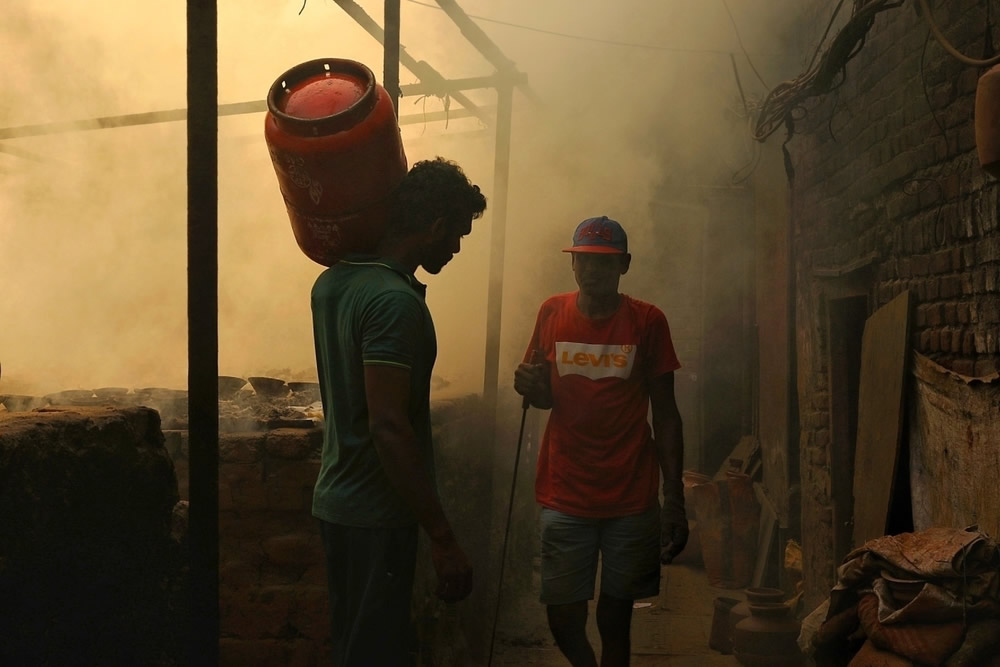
{"points": [[689, 480], [769, 636], [229, 386], [70, 396], [711, 504], [745, 513], [721, 636], [987, 117], [754, 595], [307, 391], [111, 393], [270, 387], [19, 403]]}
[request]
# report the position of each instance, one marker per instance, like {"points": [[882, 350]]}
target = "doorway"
{"points": [[846, 326]]}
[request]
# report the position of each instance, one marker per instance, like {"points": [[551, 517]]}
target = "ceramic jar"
{"points": [[721, 637], [768, 637], [756, 595]]}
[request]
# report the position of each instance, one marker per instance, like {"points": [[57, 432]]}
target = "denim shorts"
{"points": [[628, 548]]}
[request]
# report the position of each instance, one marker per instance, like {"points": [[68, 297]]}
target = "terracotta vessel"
{"points": [[987, 123], [711, 504], [745, 513], [755, 595], [769, 636], [721, 636]]}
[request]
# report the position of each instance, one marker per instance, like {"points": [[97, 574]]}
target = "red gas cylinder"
{"points": [[337, 153]]}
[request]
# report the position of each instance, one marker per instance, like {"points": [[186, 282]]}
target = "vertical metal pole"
{"points": [[390, 53], [494, 300], [203, 338], [498, 232]]}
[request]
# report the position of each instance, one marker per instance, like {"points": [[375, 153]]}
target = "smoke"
{"points": [[92, 224]]}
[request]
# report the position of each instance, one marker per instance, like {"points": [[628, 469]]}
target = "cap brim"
{"points": [[597, 249]]}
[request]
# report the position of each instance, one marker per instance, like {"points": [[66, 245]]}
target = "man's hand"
{"points": [[673, 531], [532, 382], [453, 570]]}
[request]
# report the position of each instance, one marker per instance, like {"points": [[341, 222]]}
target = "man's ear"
{"points": [[626, 262], [439, 228]]}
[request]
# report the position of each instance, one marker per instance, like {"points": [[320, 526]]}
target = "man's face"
{"points": [[445, 243], [598, 274]]}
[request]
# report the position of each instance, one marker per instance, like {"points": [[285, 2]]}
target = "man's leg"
{"points": [[569, 565], [614, 622], [630, 570], [370, 578], [568, 623]]}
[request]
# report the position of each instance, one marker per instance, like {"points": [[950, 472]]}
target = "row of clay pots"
{"points": [[760, 631]]}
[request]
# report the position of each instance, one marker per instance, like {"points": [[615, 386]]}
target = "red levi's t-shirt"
{"points": [[597, 457]]}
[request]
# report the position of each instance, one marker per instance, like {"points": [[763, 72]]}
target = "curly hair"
{"points": [[430, 190]]}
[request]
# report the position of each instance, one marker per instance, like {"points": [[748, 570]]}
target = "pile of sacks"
{"points": [[922, 598]]}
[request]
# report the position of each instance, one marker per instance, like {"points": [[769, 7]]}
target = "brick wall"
{"points": [[272, 577], [272, 581], [876, 183]]}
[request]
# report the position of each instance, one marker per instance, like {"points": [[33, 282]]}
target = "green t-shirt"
{"points": [[367, 310]]}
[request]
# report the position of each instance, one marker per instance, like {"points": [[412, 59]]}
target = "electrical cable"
{"points": [[743, 48], [952, 51], [818, 79], [826, 32], [653, 47]]}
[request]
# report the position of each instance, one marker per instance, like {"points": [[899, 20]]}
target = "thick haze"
{"points": [[93, 224]]}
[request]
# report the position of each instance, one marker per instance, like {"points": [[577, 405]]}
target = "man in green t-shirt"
{"points": [[375, 349]]}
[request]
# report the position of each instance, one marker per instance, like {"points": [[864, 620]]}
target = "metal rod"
{"points": [[449, 86], [506, 529], [203, 339], [424, 71], [498, 231], [437, 88], [390, 53], [432, 116], [483, 43], [109, 122]]}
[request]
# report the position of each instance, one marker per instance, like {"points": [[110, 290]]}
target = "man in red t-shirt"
{"points": [[600, 359]]}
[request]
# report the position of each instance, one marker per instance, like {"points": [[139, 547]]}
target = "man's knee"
{"points": [[567, 620], [613, 614]]}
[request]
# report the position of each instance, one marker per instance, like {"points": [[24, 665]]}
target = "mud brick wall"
{"points": [[90, 573], [272, 581], [272, 588], [886, 177]]}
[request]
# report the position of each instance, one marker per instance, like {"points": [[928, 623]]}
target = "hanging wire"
{"points": [[637, 45], [952, 51], [743, 48], [927, 96], [819, 78]]}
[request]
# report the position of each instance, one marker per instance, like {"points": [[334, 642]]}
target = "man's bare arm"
{"points": [[668, 430], [387, 389]]}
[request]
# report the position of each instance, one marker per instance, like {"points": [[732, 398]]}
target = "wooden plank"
{"points": [[884, 361], [743, 451], [766, 541]]}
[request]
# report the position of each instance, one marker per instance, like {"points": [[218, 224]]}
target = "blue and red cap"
{"points": [[599, 235]]}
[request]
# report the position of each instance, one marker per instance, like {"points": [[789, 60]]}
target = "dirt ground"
{"points": [[672, 631]]}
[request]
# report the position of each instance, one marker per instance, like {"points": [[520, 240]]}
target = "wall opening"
{"points": [[846, 324]]}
